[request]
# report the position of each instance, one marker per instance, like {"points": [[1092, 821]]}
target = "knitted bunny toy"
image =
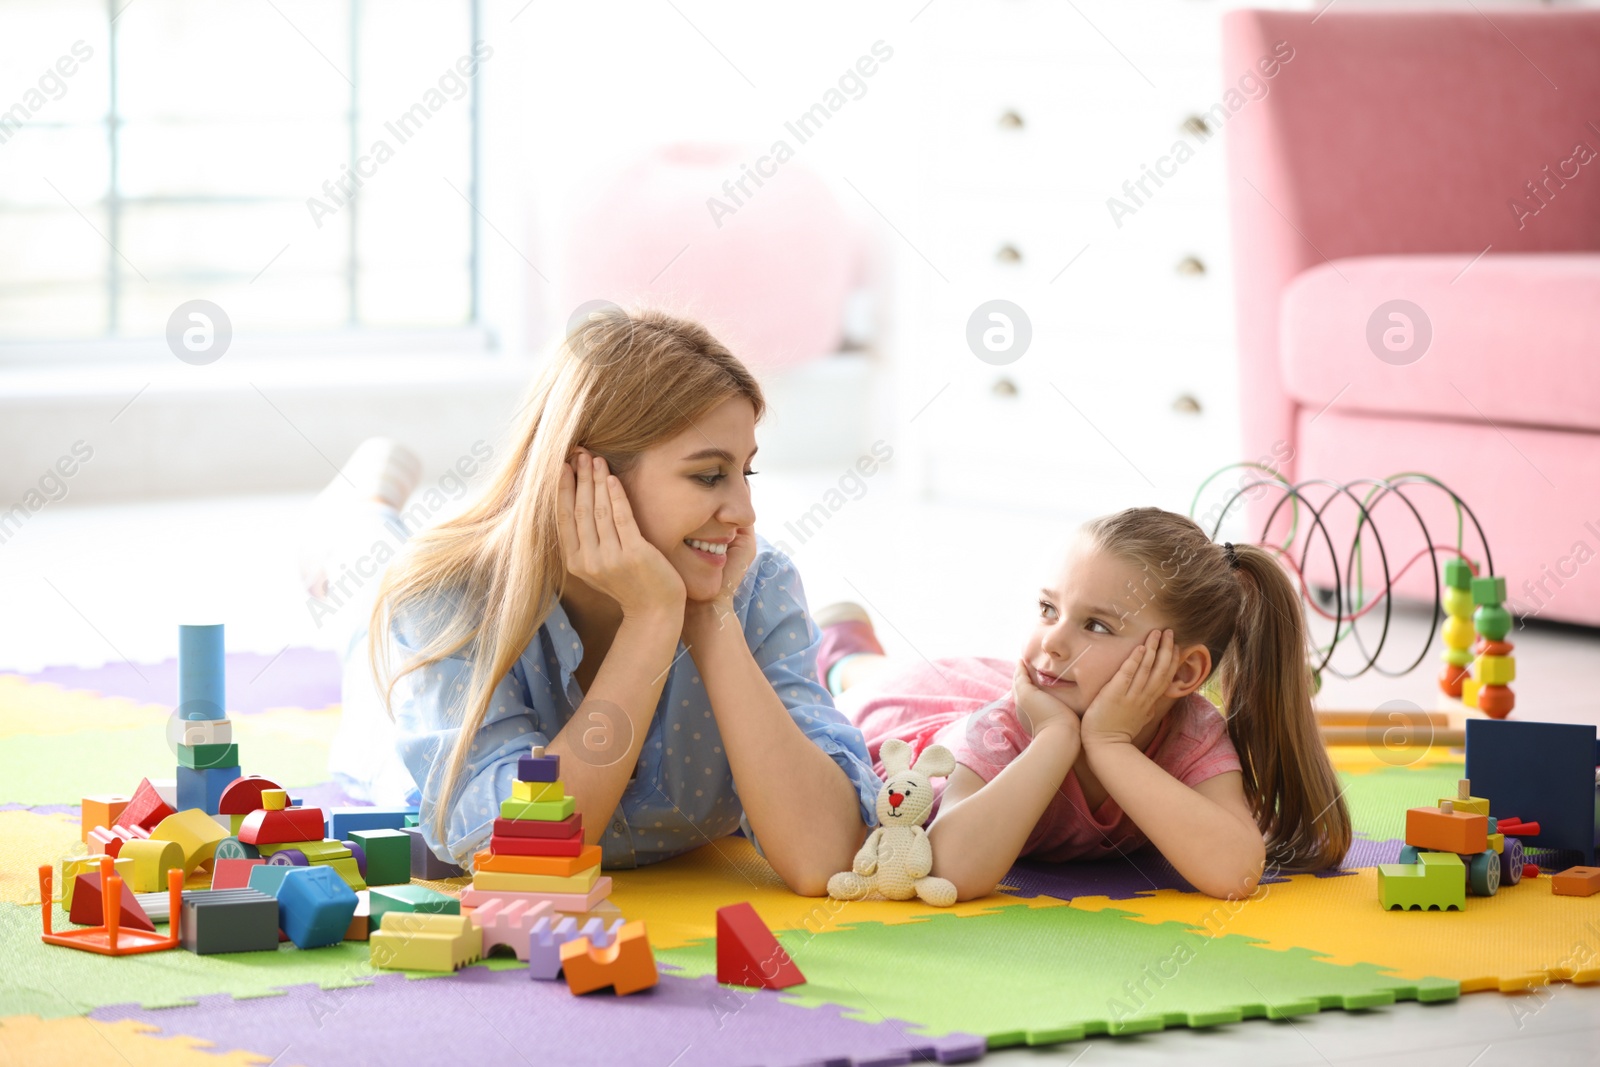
{"points": [[897, 857]]}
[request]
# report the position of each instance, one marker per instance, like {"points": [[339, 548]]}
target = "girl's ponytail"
{"points": [[1266, 684]]}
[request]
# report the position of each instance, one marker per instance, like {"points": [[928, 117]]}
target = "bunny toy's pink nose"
{"points": [[895, 799]]}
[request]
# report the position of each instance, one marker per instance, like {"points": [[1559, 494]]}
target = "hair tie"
{"points": [[1230, 555]]}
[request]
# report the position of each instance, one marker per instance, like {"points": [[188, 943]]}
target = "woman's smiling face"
{"points": [[1087, 622], [691, 493]]}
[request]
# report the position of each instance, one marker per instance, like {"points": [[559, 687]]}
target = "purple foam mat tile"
{"points": [[1120, 878], [489, 1018], [43, 809], [1365, 852], [294, 678]]}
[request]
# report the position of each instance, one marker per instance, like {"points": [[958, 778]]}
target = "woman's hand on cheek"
{"points": [[1125, 704], [741, 553], [601, 544]]}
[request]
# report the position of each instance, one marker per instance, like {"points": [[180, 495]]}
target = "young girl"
{"points": [[1097, 740], [605, 596]]}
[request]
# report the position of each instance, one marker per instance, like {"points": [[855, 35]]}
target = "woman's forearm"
{"points": [[801, 804], [1211, 847], [599, 747], [977, 839]]}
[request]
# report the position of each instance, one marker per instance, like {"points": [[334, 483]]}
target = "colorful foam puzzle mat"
{"points": [[1060, 953]]}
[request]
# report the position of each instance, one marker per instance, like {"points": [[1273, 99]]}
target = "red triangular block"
{"points": [[146, 809], [86, 909], [748, 954]]}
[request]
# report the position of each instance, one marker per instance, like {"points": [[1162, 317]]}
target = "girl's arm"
{"points": [[804, 808], [1207, 832], [982, 828]]}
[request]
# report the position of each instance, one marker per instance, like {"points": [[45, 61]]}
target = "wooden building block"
{"points": [[581, 882], [542, 810], [197, 833], [550, 932], [1436, 882], [571, 826], [536, 846], [1459, 831], [400, 899], [101, 809], [388, 855], [265, 827], [508, 923], [553, 866], [229, 920], [415, 941], [1576, 882], [535, 792], [536, 766], [87, 907], [569, 903], [627, 965], [151, 861], [748, 954], [145, 809]]}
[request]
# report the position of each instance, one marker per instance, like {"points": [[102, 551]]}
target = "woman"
{"points": [[606, 596]]}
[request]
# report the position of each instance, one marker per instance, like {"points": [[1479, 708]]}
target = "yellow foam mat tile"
{"points": [[44, 708], [30, 840], [678, 899], [1522, 938], [29, 1039]]}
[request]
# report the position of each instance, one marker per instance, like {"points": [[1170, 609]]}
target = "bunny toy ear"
{"points": [[896, 755], [936, 761]]}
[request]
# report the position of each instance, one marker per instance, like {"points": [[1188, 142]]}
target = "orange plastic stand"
{"points": [[111, 939]]}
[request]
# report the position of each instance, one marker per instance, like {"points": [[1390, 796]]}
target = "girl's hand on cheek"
{"points": [[1038, 710], [1126, 704], [699, 614]]}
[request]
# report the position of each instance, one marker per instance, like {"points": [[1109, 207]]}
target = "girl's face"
{"points": [[691, 493], [1087, 624]]}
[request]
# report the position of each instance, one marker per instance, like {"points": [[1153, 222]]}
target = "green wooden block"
{"points": [[1437, 881], [1489, 590], [408, 898], [1457, 575], [315, 851], [542, 810], [411, 820], [201, 756], [388, 855]]}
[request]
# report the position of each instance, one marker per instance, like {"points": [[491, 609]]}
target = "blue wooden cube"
{"points": [[315, 906]]}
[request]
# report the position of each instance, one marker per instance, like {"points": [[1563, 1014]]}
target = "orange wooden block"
{"points": [[559, 866], [101, 809], [1576, 882], [627, 966], [1454, 832]]}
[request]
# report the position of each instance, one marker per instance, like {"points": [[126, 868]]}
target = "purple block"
{"points": [[545, 941], [490, 1018], [531, 768], [424, 863]]}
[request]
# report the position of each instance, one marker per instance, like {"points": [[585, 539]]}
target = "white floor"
{"points": [[87, 585]]}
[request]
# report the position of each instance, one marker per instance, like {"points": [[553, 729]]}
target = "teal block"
{"points": [[408, 898]]}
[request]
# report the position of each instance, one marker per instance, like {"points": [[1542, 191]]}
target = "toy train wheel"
{"points": [[1483, 874], [1511, 861], [289, 857], [1408, 854], [231, 848], [359, 854]]}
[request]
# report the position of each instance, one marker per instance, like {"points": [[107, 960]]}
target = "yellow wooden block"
{"points": [[503, 882], [1495, 670], [1498, 843], [423, 941], [535, 792], [151, 860], [1469, 806], [73, 866], [274, 799], [1469, 691], [1458, 632], [197, 833]]}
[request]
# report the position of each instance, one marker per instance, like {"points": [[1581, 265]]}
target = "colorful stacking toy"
{"points": [[536, 853], [207, 757], [1458, 631]]}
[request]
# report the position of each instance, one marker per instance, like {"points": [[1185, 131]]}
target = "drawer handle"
{"points": [[1187, 404], [1191, 265], [1010, 120], [1004, 387], [1008, 254], [1196, 126]]}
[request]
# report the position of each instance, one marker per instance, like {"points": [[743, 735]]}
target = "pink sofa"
{"points": [[1384, 158]]}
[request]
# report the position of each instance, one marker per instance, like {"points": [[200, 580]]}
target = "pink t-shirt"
{"points": [[965, 704]]}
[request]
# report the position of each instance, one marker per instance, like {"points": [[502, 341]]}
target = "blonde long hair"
{"points": [[1251, 620], [487, 579]]}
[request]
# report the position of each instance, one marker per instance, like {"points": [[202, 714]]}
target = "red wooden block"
{"points": [[87, 910], [536, 846], [748, 954], [263, 827], [145, 810], [1517, 828], [243, 795], [233, 874], [108, 840], [572, 824]]}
